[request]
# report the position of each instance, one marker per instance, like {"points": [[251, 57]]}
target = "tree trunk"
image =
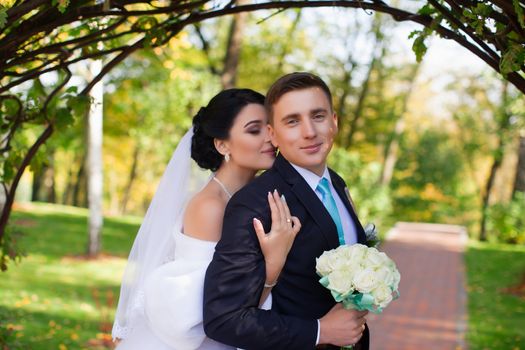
{"points": [[43, 188], [391, 152], [343, 125], [68, 191], [49, 182], [486, 196], [519, 182], [289, 41], [38, 175], [392, 147], [10, 190], [233, 48], [131, 179], [377, 57], [94, 162], [503, 124], [80, 188]]}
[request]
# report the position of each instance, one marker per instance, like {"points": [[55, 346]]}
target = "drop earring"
{"points": [[227, 157]]}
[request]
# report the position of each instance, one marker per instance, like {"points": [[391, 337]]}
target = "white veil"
{"points": [[154, 244]]}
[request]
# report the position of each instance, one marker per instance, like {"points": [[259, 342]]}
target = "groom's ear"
{"points": [[336, 121], [271, 134]]}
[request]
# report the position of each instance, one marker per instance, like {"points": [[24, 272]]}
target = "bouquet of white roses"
{"points": [[360, 277]]}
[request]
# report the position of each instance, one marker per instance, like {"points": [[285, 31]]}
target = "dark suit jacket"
{"points": [[236, 275]]}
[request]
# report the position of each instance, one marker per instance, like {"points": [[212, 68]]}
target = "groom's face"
{"points": [[304, 127]]}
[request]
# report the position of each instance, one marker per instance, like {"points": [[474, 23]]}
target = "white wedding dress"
{"points": [[172, 302]]}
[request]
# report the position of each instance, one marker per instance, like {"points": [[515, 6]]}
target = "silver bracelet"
{"points": [[270, 285]]}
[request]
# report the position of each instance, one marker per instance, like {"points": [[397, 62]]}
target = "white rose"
{"points": [[396, 276], [375, 259], [366, 280], [357, 254], [323, 265], [385, 275], [382, 295], [341, 281], [330, 261], [339, 260]]}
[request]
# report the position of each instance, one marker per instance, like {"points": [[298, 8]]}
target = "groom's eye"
{"points": [[291, 121], [319, 116]]}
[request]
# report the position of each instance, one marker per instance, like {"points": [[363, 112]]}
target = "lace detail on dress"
{"points": [[136, 310], [119, 332]]}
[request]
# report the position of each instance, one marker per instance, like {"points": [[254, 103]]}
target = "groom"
{"points": [[304, 314]]}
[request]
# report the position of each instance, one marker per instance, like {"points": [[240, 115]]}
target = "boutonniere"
{"points": [[372, 238]]}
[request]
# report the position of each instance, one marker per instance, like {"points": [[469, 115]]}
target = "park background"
{"points": [[438, 140]]}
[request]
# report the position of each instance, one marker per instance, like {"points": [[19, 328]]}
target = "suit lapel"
{"points": [[340, 186], [309, 199]]}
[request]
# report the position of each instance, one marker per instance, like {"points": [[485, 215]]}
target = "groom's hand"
{"points": [[342, 327]]}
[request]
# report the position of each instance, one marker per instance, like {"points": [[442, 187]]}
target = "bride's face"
{"points": [[249, 143]]}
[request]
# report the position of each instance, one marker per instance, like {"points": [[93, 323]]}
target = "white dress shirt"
{"points": [[349, 231]]}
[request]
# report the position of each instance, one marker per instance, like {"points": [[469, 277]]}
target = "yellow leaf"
{"points": [[14, 327], [7, 3]]}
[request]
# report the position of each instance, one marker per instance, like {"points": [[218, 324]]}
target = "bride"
{"points": [[160, 304]]}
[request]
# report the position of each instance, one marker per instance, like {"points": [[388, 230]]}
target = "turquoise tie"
{"points": [[329, 202]]}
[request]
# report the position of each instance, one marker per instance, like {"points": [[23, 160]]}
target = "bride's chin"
{"points": [[267, 165]]}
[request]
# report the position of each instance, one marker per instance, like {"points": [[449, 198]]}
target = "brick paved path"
{"points": [[430, 314]]}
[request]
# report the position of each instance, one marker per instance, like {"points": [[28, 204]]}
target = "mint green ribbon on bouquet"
{"points": [[357, 301]]}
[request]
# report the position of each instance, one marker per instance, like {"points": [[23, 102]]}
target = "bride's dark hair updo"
{"points": [[215, 121]]}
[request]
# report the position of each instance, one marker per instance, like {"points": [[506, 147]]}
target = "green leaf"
{"points": [[79, 105], [519, 12], [512, 59], [63, 118], [467, 13], [11, 107], [9, 170], [72, 90], [483, 10], [145, 23], [3, 17], [419, 47], [414, 33], [62, 5], [427, 10]]}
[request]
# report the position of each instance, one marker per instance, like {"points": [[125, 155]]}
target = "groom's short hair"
{"points": [[291, 82]]}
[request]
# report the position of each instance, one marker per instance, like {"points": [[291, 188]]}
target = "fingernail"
{"points": [[283, 198]]}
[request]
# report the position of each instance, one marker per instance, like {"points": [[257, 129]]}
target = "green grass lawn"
{"points": [[496, 317], [56, 299]]}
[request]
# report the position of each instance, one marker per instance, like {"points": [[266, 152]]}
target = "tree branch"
{"points": [[206, 49], [10, 197], [120, 57], [56, 90]]}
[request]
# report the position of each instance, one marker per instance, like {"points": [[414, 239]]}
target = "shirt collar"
{"points": [[311, 178]]}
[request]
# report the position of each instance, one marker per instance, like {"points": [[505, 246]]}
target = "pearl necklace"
{"points": [[222, 186]]}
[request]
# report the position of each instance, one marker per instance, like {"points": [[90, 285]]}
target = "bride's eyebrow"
{"points": [[252, 122]]}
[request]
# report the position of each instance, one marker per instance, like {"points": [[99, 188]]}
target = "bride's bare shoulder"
{"points": [[203, 217]]}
